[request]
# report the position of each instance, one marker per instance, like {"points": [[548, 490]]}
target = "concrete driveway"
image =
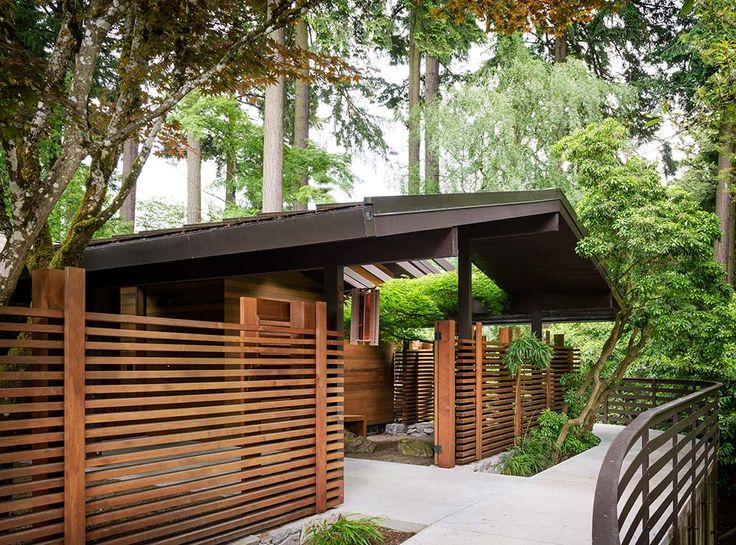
{"points": [[460, 507]]}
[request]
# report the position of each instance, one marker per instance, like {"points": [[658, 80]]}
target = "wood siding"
{"points": [[369, 382]]}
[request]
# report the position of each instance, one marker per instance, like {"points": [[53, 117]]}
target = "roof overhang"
{"points": [[525, 241]]}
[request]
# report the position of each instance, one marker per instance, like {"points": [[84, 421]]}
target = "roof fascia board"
{"points": [[278, 233]]}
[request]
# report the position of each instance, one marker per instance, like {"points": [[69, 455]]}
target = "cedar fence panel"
{"points": [[504, 409], [190, 431], [413, 385], [31, 426]]}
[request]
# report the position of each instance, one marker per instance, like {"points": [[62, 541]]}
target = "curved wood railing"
{"points": [[657, 481]]}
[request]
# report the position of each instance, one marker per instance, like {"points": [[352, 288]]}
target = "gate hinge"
{"points": [[438, 449]]}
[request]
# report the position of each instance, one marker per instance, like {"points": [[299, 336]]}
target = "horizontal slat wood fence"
{"points": [[632, 396], [31, 426], [494, 407], [190, 431], [413, 384], [657, 483]]}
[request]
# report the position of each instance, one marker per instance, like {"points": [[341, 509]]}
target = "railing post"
{"points": [[645, 485], [444, 373], [479, 390], [675, 483], [74, 447], [320, 377]]}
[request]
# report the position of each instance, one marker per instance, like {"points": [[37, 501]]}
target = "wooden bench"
{"points": [[356, 423]]}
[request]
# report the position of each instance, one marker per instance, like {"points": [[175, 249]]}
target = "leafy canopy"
{"points": [[655, 242], [227, 133], [496, 131], [411, 305]]}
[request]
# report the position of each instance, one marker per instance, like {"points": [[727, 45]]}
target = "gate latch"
{"points": [[437, 336], [438, 449]]}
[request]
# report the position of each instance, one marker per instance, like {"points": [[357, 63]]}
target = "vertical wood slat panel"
{"points": [[321, 405], [74, 394]]}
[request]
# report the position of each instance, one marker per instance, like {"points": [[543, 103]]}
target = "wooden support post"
{"points": [[355, 301], [479, 365], [504, 335], [537, 324], [548, 386], [464, 289], [74, 447], [333, 285], [320, 337], [518, 409], [444, 376]]}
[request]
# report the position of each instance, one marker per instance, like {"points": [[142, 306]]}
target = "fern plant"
{"points": [[527, 349], [345, 530]]}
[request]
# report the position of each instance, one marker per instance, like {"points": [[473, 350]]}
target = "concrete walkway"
{"points": [[460, 507]]}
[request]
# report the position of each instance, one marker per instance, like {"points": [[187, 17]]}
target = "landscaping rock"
{"points": [[421, 429], [354, 443], [395, 428], [415, 447]]}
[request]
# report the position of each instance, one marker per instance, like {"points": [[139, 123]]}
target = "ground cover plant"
{"points": [[345, 530]]}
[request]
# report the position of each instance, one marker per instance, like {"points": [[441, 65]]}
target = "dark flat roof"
{"points": [[525, 241]]}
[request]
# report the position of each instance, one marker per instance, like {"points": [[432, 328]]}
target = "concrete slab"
{"points": [[465, 508]]}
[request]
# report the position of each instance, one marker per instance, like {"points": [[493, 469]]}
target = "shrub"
{"points": [[534, 452], [527, 349], [345, 530]]}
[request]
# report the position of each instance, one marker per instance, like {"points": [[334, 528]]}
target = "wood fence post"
{"points": [[320, 432], [47, 292], [444, 376], [548, 384], [517, 405], [74, 447], [479, 390], [504, 335]]}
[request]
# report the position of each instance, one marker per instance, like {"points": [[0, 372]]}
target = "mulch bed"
{"points": [[392, 537]]}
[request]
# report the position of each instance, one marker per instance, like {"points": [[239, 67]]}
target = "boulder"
{"points": [[355, 443], [395, 428], [415, 447]]}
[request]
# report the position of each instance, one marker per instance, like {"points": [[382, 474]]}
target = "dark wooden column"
{"points": [[464, 289], [332, 286], [537, 324]]}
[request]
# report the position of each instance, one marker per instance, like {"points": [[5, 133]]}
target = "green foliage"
{"points": [[655, 243], [527, 349], [226, 133], [345, 530], [496, 131], [534, 452], [63, 212], [411, 305], [154, 214]]}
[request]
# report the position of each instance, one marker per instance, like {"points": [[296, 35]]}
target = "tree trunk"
{"points": [[724, 248], [229, 181], [301, 101], [413, 186], [599, 386], [127, 211], [194, 180], [431, 149], [273, 139], [560, 48]]}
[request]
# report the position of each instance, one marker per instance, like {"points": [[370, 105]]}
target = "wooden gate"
{"points": [[129, 429]]}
